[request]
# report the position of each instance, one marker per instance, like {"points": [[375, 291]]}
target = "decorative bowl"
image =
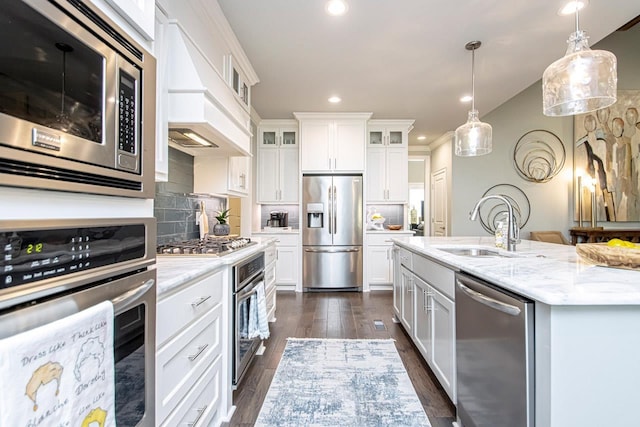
{"points": [[394, 227], [610, 256]]}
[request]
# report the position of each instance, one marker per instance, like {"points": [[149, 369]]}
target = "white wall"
{"points": [[551, 202]]}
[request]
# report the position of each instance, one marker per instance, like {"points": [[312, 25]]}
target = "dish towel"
{"points": [[61, 373], [244, 320], [258, 322]]}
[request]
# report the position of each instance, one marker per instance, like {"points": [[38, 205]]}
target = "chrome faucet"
{"points": [[513, 232]]}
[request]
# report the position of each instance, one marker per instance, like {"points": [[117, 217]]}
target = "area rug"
{"points": [[339, 383]]}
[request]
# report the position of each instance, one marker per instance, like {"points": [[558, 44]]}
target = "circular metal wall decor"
{"points": [[539, 155], [493, 210]]}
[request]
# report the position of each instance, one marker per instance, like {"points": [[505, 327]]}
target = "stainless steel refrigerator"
{"points": [[332, 213]]}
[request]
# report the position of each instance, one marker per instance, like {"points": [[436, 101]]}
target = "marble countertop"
{"points": [[545, 272], [175, 270]]}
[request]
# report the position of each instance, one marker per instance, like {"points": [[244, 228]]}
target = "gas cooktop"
{"points": [[212, 246]]}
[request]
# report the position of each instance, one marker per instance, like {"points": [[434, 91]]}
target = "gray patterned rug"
{"points": [[335, 382]]}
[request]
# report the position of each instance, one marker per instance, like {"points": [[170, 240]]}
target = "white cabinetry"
{"points": [[434, 325], [287, 260], [332, 142], [270, 280], [192, 352], [221, 175], [401, 256], [278, 171], [407, 299], [387, 156], [160, 51], [379, 259]]}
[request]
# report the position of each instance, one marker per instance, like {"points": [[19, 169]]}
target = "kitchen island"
{"points": [[587, 323]]}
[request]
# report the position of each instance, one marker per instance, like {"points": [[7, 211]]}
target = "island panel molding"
{"points": [[607, 152]]}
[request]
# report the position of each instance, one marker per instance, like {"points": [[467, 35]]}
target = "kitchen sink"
{"points": [[474, 252]]}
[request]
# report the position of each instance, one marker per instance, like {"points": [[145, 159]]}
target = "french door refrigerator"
{"points": [[332, 212]]}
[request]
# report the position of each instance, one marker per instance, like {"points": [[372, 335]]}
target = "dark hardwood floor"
{"points": [[336, 315]]}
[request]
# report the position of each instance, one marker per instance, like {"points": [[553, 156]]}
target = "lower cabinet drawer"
{"points": [[180, 309], [269, 254], [201, 406], [182, 360]]}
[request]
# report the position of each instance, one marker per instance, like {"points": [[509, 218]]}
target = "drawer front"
{"points": [[182, 308], [438, 276], [286, 239], [406, 257], [201, 406], [379, 239], [270, 277], [182, 361], [269, 254]]}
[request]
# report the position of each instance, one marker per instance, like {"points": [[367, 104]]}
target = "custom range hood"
{"points": [[201, 105]]}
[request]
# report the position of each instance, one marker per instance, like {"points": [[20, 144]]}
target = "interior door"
{"points": [[439, 203]]}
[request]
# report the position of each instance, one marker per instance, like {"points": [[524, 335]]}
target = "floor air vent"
{"points": [[379, 325]]}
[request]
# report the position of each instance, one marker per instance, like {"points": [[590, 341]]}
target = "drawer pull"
{"points": [[198, 352], [201, 411], [200, 301]]}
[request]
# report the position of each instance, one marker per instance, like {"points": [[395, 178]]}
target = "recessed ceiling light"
{"points": [[334, 99], [422, 138], [336, 7], [571, 7], [466, 98]]}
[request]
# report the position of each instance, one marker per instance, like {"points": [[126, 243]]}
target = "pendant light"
{"points": [[474, 137], [583, 80]]}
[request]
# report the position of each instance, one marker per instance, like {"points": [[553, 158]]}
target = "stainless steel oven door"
{"points": [[134, 302], [244, 347]]}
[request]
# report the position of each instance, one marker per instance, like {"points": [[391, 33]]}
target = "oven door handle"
{"points": [[129, 298], [242, 295]]}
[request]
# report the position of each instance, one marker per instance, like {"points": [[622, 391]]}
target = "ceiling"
{"points": [[405, 59]]}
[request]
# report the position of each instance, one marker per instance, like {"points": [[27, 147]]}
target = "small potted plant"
{"points": [[222, 228]]}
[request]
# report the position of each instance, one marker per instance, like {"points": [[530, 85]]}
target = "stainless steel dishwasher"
{"points": [[494, 355]]}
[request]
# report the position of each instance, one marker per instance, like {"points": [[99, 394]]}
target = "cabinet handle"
{"points": [[200, 411], [200, 301], [198, 352]]}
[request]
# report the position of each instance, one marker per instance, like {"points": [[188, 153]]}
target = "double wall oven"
{"points": [[53, 269], [77, 101]]}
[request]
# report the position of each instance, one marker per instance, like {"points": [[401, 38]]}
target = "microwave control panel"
{"points": [[127, 120]]}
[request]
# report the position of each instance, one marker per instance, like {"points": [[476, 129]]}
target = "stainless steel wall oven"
{"points": [[77, 101], [246, 275], [52, 270]]}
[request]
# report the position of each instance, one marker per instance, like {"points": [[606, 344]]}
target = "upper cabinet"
{"points": [[332, 142], [278, 171], [221, 175], [387, 157]]}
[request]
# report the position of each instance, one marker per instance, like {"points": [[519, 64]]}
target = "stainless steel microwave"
{"points": [[77, 101]]}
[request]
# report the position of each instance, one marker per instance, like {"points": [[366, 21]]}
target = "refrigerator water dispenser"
{"points": [[315, 215]]}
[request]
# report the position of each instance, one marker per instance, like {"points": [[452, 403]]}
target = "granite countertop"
{"points": [[175, 270], [545, 272]]}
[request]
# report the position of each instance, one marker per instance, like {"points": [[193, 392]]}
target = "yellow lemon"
{"points": [[621, 243]]}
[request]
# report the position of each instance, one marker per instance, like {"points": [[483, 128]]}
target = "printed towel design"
{"points": [[60, 374], [263, 321]]}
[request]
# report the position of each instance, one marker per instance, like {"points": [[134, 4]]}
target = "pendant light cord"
{"points": [[473, 79]]}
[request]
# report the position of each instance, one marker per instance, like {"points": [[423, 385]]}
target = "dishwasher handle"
{"points": [[488, 301]]}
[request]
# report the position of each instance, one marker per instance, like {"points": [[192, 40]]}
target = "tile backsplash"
{"points": [[176, 215], [176, 206]]}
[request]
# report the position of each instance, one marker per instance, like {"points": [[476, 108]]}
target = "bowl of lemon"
{"points": [[614, 253]]}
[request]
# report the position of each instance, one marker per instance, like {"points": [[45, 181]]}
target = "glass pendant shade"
{"points": [[474, 137], [583, 80]]}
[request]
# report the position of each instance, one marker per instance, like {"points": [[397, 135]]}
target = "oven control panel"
{"points": [[28, 256]]}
